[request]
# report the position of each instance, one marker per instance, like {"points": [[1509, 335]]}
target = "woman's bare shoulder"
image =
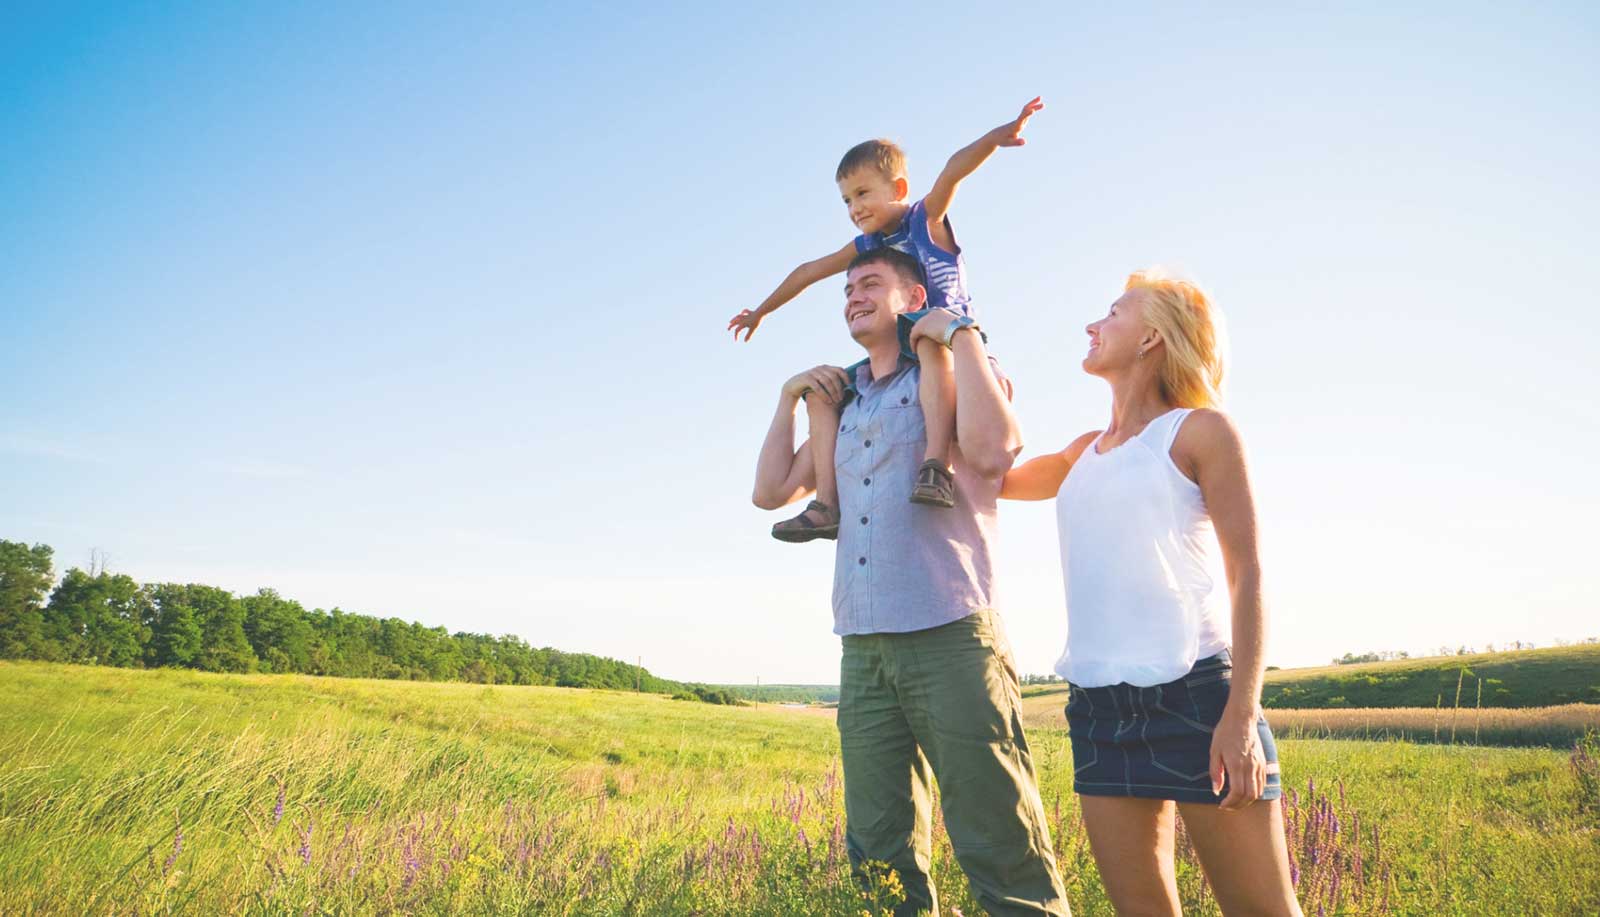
{"points": [[1076, 447]]}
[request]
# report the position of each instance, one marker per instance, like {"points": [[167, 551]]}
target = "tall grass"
{"points": [[163, 792]]}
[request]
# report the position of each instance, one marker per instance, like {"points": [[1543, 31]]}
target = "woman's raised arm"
{"points": [[1040, 477]]}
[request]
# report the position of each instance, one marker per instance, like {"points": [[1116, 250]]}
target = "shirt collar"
{"points": [[864, 371]]}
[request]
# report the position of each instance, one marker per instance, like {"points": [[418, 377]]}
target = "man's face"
{"points": [[873, 295], [872, 200]]}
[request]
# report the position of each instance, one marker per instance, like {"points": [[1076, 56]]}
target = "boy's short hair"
{"points": [[901, 263], [885, 156]]}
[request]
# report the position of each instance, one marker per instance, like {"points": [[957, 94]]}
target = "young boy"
{"points": [[872, 179]]}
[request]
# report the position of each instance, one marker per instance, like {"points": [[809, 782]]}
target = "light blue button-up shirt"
{"points": [[902, 566]]}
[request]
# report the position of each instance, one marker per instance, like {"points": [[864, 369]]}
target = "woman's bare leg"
{"points": [[823, 418], [1133, 841], [1245, 857]]}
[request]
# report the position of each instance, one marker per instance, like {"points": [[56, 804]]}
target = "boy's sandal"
{"points": [[801, 528], [935, 485]]}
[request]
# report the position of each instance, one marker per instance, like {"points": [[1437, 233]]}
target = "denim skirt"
{"points": [[1155, 742]]}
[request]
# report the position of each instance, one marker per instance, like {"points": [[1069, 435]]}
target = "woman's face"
{"points": [[1114, 341]]}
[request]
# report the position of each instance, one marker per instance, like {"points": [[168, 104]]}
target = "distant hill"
{"points": [[785, 694], [1521, 678]]}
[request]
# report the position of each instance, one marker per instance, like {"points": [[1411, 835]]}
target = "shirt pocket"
{"points": [[848, 454], [903, 423]]}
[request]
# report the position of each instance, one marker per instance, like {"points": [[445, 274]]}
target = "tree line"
{"points": [[95, 617]]}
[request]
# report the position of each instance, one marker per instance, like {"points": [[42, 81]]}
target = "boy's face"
{"points": [[875, 203]]}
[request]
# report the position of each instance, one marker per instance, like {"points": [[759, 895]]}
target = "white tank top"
{"points": [[1146, 596]]}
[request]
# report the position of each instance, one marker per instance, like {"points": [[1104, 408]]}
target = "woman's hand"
{"points": [[1236, 753]]}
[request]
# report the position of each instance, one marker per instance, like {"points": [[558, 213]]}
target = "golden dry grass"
{"points": [[1554, 727]]}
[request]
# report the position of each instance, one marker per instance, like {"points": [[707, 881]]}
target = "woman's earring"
{"points": [[1141, 355]]}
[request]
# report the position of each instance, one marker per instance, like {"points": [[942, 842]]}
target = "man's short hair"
{"points": [[883, 156], [901, 263]]}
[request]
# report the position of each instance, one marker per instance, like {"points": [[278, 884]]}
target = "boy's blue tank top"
{"points": [[947, 273]]}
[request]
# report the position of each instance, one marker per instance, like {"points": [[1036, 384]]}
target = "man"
{"points": [[927, 686]]}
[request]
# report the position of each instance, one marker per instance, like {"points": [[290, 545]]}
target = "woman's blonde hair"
{"points": [[1191, 328]]}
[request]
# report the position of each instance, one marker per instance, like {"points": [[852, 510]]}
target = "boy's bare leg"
{"points": [[813, 523], [937, 392], [823, 419]]}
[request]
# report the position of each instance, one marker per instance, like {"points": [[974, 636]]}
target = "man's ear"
{"points": [[902, 188], [918, 297]]}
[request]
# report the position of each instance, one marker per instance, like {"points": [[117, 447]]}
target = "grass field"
{"points": [[1523, 678], [126, 791]]}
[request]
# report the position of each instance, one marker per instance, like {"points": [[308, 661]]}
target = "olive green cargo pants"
{"points": [[944, 700]]}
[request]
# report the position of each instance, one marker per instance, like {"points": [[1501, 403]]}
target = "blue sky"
{"points": [[419, 312]]}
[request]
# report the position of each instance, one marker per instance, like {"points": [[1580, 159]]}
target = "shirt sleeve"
{"points": [[918, 226], [866, 243]]}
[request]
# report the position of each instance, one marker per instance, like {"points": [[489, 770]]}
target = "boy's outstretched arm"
{"points": [[793, 285], [965, 162]]}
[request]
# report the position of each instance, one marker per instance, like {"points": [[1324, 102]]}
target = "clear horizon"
{"points": [[421, 315]]}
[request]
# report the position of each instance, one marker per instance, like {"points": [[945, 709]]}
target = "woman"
{"points": [[1165, 706]]}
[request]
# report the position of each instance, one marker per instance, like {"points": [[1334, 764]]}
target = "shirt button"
{"points": [[841, 428], [863, 520], [866, 482], [905, 400], [868, 444], [862, 561]]}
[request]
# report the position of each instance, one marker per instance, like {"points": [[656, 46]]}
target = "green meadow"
{"points": [[126, 791], [1546, 677]]}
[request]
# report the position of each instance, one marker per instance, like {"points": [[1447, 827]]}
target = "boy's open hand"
{"points": [[747, 321], [1010, 133]]}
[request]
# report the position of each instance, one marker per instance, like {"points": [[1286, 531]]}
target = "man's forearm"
{"points": [[777, 455], [986, 428]]}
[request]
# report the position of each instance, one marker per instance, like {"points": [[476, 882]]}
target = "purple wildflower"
{"points": [[277, 810], [177, 845], [305, 845], [412, 864]]}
